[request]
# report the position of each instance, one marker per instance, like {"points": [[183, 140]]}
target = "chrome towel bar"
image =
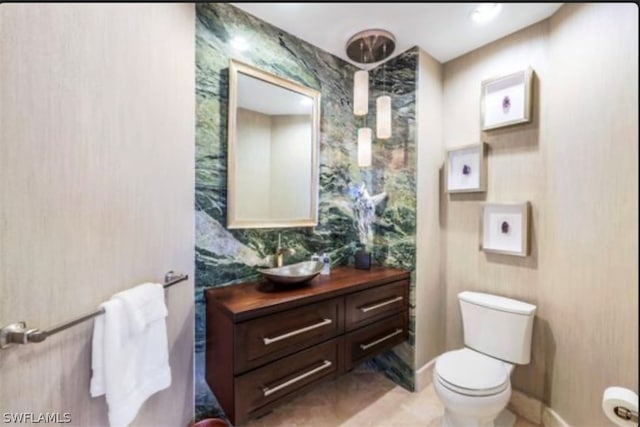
{"points": [[17, 333]]}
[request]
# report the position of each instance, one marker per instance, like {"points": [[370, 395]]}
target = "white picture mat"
{"points": [[493, 238], [457, 180], [514, 87]]}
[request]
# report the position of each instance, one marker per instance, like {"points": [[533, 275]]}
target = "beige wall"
{"points": [[265, 189], [430, 290], [590, 291], [577, 163], [253, 165], [96, 190], [290, 185]]}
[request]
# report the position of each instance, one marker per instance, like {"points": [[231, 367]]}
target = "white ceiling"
{"points": [[444, 30], [266, 98]]}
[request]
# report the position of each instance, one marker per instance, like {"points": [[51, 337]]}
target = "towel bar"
{"points": [[17, 333]]}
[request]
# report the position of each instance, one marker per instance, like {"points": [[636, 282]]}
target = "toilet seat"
{"points": [[471, 373]]}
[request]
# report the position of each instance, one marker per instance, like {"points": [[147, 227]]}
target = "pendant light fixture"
{"points": [[361, 89], [370, 46], [364, 147], [367, 47], [383, 109], [383, 117]]}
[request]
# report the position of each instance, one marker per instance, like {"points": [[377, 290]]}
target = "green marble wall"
{"points": [[225, 257]]}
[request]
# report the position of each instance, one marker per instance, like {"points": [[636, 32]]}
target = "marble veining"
{"points": [[225, 257]]}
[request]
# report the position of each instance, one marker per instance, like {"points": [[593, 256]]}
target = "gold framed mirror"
{"points": [[273, 140]]}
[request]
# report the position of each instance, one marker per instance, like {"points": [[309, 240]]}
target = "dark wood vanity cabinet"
{"points": [[266, 343]]}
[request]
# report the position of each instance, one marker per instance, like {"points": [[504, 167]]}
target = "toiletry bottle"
{"points": [[315, 257], [326, 264]]}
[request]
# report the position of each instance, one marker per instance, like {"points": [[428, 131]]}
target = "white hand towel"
{"points": [[128, 366], [144, 304]]}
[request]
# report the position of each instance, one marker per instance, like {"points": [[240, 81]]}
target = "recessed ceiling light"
{"points": [[239, 43], [485, 12]]}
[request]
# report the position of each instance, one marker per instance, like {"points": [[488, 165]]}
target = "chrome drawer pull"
{"points": [[266, 391], [371, 344], [382, 304], [324, 322]]}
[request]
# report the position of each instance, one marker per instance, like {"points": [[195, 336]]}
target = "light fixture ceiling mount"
{"points": [[485, 12], [370, 46]]}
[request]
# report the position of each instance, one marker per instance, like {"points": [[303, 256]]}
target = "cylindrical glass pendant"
{"points": [[383, 117], [361, 93], [364, 147]]}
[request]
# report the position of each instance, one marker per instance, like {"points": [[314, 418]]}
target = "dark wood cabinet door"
{"points": [[372, 304], [257, 390], [375, 338], [268, 338]]}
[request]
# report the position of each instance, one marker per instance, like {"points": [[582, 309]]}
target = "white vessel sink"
{"points": [[293, 273]]}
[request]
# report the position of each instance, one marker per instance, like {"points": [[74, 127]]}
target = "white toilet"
{"points": [[473, 383]]}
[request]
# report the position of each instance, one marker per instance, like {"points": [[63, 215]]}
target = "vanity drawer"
{"points": [[375, 338], [259, 341], [255, 390], [367, 306]]}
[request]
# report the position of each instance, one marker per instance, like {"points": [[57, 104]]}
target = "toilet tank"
{"points": [[497, 326]]}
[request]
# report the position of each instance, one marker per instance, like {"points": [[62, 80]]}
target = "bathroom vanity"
{"points": [[266, 343]]}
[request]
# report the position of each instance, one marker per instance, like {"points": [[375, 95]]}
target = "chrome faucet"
{"points": [[280, 251]]}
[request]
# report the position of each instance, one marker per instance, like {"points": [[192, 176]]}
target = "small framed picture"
{"points": [[505, 228], [466, 169], [506, 100]]}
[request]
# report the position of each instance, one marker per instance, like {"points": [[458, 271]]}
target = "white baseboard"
{"points": [[424, 375], [534, 411], [526, 407], [551, 418]]}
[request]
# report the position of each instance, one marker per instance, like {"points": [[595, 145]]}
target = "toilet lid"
{"points": [[469, 372]]}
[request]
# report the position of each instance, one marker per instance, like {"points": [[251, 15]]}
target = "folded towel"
{"points": [[144, 304], [129, 366]]}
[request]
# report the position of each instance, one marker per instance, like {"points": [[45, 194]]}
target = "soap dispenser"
{"points": [[326, 264]]}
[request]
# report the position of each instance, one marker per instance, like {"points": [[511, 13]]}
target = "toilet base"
{"points": [[505, 418], [470, 411]]}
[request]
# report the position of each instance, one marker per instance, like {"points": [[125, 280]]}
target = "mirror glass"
{"points": [[273, 150]]}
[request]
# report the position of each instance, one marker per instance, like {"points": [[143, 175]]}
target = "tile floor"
{"points": [[360, 399]]}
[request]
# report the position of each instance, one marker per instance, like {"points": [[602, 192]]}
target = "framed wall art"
{"points": [[506, 100], [505, 228], [466, 169]]}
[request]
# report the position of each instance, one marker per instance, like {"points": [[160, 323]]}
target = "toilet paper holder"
{"points": [[620, 405], [626, 414]]}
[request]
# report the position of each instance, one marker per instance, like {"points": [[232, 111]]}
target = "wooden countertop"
{"points": [[252, 299]]}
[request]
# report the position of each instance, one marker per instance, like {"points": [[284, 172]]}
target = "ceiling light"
{"points": [[383, 117], [485, 12], [361, 93], [370, 46], [364, 147], [366, 47], [383, 110]]}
